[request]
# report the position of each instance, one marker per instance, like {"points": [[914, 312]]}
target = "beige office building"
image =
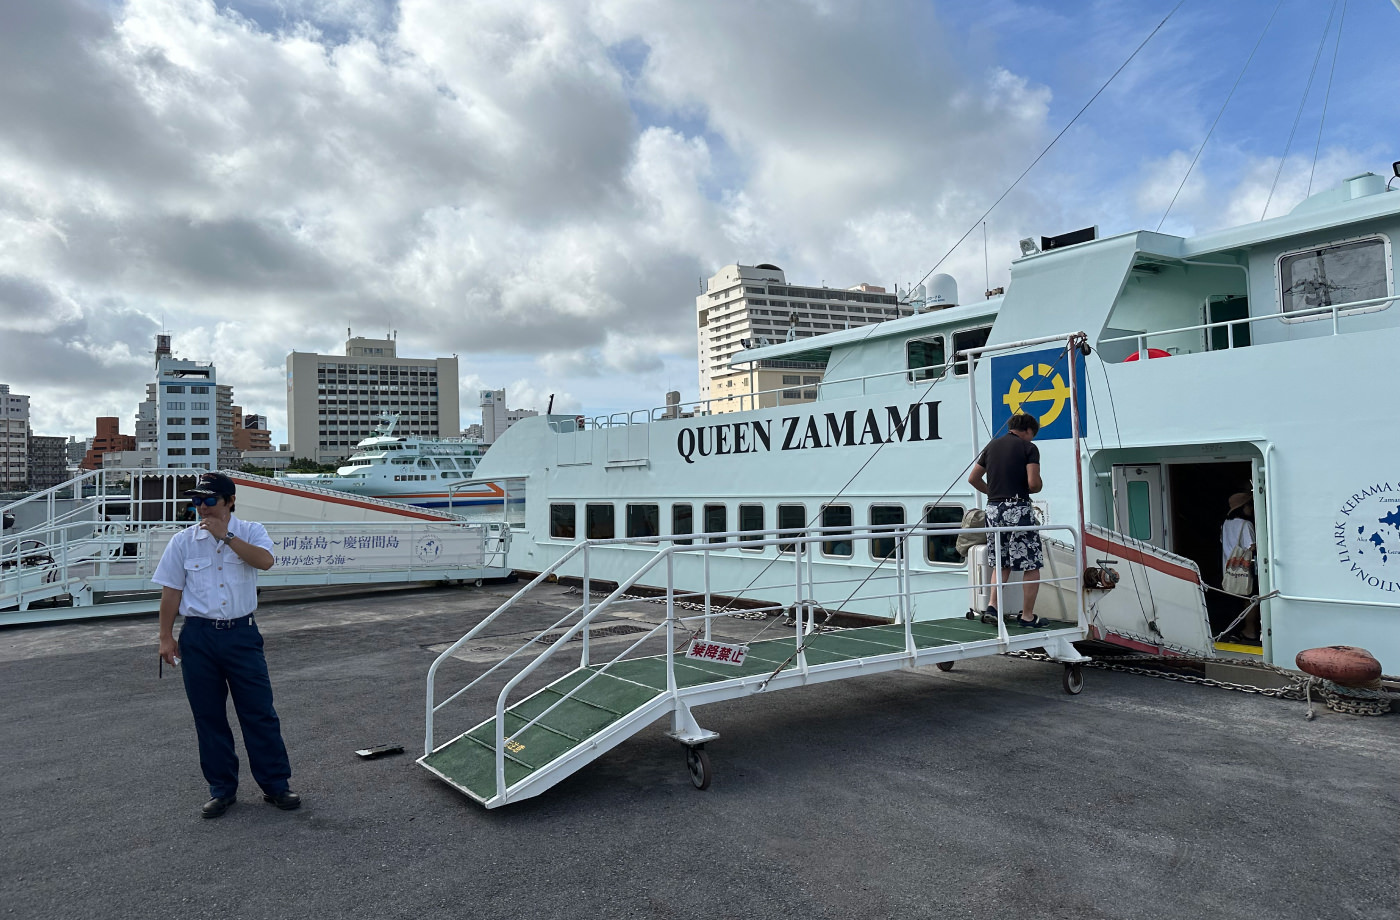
{"points": [[335, 401], [754, 304], [14, 440]]}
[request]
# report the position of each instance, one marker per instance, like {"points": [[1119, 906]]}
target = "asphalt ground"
{"points": [[986, 792]]}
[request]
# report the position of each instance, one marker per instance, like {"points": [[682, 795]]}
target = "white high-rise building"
{"points": [[187, 431], [496, 418], [336, 401], [755, 304], [14, 440]]}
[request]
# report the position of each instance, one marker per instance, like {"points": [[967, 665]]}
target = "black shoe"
{"points": [[287, 801], [217, 806], [1033, 623]]}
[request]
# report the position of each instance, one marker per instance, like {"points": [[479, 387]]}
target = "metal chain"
{"points": [[1350, 700]]}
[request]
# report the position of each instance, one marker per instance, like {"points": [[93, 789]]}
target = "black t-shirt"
{"points": [[1005, 461]]}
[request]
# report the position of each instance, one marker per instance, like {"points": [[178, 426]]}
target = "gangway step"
{"points": [[618, 693]]}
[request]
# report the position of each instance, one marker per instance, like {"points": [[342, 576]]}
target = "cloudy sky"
{"points": [[538, 186]]}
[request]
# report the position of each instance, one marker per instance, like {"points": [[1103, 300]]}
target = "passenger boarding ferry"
{"points": [[1249, 359], [428, 472]]}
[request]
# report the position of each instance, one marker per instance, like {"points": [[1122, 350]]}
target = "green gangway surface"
{"points": [[622, 688]]}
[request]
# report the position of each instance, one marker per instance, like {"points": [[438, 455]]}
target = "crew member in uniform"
{"points": [[208, 575], [1008, 473]]}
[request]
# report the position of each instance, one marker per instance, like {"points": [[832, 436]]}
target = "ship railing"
{"points": [[130, 549], [1334, 311], [801, 546], [920, 374], [99, 494]]}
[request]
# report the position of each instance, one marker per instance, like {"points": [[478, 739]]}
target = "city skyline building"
{"points": [[187, 431], [755, 304], [496, 418], [14, 440], [335, 401], [48, 464], [108, 438], [250, 432], [229, 457]]}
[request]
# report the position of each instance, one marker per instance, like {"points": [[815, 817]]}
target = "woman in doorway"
{"points": [[1237, 543]]}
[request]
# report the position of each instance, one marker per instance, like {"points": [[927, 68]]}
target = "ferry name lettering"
{"points": [[917, 422]]}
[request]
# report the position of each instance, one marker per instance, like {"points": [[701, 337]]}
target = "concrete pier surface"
{"points": [[984, 792]]}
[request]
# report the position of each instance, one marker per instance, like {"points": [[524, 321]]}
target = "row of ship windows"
{"points": [[644, 520]]}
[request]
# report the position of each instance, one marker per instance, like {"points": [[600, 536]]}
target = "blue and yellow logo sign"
{"points": [[1037, 383]]}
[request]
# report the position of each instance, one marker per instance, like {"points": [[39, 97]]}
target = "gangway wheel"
{"points": [[698, 763], [945, 666], [1073, 679]]}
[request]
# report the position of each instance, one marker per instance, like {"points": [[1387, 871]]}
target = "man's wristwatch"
{"points": [[227, 539]]}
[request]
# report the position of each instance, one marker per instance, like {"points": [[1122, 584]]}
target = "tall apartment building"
{"points": [[14, 440], [496, 418], [187, 398], [755, 303], [335, 401], [250, 432], [48, 464], [74, 452], [229, 456], [148, 418], [109, 438]]}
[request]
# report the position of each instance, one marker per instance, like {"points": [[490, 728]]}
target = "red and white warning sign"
{"points": [[717, 651]]}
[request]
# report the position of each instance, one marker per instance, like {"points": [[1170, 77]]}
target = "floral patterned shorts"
{"points": [[1021, 549]]}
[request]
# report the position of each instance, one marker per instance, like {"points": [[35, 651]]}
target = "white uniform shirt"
{"points": [[214, 582], [1234, 530]]}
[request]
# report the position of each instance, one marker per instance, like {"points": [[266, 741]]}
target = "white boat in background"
{"points": [[427, 472]]}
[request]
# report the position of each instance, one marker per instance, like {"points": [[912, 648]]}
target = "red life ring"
{"points": [[1151, 353]]}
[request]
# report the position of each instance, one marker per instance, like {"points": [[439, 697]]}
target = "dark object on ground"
{"points": [[216, 806], [380, 750], [287, 801]]}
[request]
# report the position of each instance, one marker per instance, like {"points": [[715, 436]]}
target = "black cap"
{"points": [[213, 484]]}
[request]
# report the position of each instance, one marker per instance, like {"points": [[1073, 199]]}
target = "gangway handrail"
{"points": [[804, 538], [708, 548]]}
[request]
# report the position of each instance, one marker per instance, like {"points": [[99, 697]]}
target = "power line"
{"points": [[1327, 97], [1042, 153], [1220, 113]]}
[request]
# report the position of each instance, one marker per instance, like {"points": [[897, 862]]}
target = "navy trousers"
{"points": [[216, 662]]}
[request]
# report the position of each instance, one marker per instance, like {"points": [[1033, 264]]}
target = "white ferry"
{"points": [[1250, 359], [428, 472]]}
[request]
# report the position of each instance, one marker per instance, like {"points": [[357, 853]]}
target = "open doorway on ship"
{"points": [[1199, 495]]}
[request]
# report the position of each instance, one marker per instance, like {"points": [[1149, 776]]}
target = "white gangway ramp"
{"points": [[90, 546], [534, 738]]}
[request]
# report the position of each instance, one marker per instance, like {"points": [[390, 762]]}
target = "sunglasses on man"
{"points": [[207, 501]]}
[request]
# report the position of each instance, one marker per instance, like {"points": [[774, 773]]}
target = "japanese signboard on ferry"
{"points": [[720, 652]]}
